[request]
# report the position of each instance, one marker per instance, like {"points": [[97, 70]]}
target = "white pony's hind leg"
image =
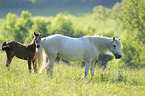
{"points": [[49, 67]]}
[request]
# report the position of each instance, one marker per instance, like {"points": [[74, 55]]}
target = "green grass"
{"points": [[17, 81]]}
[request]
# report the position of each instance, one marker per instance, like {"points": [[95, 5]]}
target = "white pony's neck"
{"points": [[102, 43], [42, 40]]}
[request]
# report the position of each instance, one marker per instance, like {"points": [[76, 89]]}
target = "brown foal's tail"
{"points": [[4, 46]]}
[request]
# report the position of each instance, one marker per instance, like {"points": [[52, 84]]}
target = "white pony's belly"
{"points": [[71, 49], [72, 57], [72, 54]]}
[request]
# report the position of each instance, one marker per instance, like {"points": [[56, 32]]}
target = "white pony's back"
{"points": [[72, 49]]}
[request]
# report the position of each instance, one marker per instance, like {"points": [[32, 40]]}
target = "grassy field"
{"points": [[111, 82]]}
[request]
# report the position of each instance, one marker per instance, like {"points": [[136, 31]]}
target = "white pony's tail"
{"points": [[41, 58]]}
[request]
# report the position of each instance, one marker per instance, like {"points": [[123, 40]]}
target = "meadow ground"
{"points": [[111, 82]]}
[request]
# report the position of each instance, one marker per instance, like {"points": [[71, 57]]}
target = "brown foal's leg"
{"points": [[29, 65], [10, 56]]}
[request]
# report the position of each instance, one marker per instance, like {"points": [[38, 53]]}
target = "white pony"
{"points": [[75, 49]]}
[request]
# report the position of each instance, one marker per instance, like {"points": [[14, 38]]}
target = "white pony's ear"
{"points": [[113, 38], [120, 38], [41, 34]]}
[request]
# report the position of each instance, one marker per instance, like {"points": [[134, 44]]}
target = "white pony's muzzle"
{"points": [[118, 56]]}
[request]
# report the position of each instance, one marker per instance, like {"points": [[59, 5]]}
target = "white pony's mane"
{"points": [[102, 43]]}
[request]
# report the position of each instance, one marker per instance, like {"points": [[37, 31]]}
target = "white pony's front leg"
{"points": [[87, 65], [92, 69], [49, 67]]}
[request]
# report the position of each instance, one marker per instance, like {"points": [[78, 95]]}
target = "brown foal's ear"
{"points": [[113, 38], [34, 33]]}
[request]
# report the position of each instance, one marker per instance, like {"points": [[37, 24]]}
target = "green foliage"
{"points": [[40, 25], [62, 26], [107, 33], [23, 26], [116, 9], [132, 21], [16, 29], [130, 57], [101, 12], [21, 29], [90, 30], [79, 32], [8, 27]]}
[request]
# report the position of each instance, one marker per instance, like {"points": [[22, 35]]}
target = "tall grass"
{"points": [[66, 81]]}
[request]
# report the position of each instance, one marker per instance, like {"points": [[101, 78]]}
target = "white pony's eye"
{"points": [[114, 46]]}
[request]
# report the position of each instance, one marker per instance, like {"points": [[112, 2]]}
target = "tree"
{"points": [[16, 29], [40, 25], [62, 26], [116, 9], [132, 20], [23, 26], [101, 12], [8, 27]]}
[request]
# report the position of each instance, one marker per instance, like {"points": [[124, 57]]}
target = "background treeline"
{"points": [[129, 15], [21, 28], [51, 3]]}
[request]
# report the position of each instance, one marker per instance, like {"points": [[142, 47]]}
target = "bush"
{"points": [[132, 21], [115, 11], [40, 25], [79, 32], [90, 30], [62, 26], [101, 12], [107, 33], [8, 27], [17, 29]]}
